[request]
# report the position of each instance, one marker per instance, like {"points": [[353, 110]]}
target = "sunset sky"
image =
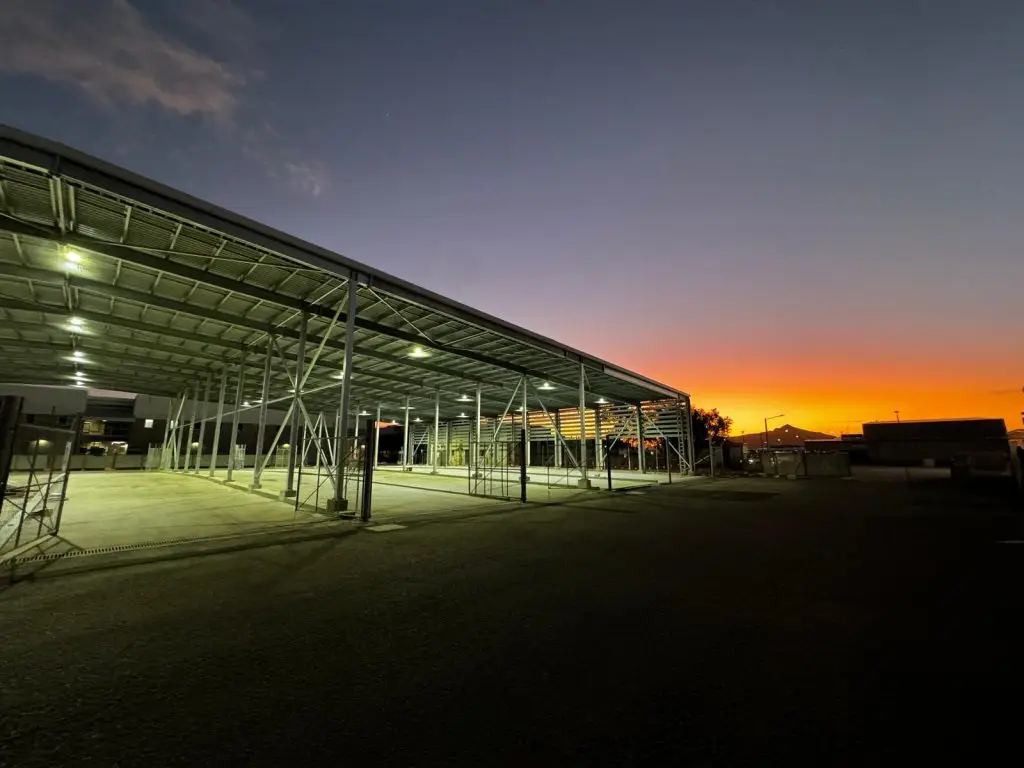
{"points": [[791, 207]]}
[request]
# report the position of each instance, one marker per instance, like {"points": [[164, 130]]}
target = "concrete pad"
{"points": [[564, 477], [105, 509]]}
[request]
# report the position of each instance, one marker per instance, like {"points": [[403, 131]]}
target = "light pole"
{"points": [[897, 416], [766, 420]]}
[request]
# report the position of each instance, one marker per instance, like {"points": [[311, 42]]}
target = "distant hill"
{"points": [[786, 435]]}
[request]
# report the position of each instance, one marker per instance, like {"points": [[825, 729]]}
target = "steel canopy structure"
{"points": [[117, 282]]}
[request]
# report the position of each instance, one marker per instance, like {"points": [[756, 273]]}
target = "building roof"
{"points": [[155, 289]]}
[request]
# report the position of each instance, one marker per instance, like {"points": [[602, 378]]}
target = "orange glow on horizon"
{"points": [[839, 395]]}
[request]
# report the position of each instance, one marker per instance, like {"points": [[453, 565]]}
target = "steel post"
{"points": [[257, 469], [584, 481], [191, 427], [641, 458], [689, 434], [294, 446], [176, 433], [437, 432], [164, 455], [526, 427], [220, 417], [406, 438], [202, 423], [558, 444], [598, 439], [339, 503], [476, 456], [239, 394], [376, 439]]}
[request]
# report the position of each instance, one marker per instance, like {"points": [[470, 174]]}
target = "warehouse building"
{"points": [[245, 356]]}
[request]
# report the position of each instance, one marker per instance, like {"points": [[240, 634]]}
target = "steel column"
{"points": [[641, 458], [202, 423], [437, 432], [689, 434], [558, 445], [584, 483], [176, 434], [339, 503], [164, 455], [376, 438], [526, 426], [406, 437], [293, 428], [598, 439], [476, 457], [220, 416], [239, 394], [257, 468], [191, 428]]}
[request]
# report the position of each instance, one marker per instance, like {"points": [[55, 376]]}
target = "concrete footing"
{"points": [[286, 494], [584, 484], [336, 506]]}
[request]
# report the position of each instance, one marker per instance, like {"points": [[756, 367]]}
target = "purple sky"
{"points": [[747, 181]]}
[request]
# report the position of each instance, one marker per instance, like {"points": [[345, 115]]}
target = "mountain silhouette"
{"points": [[787, 435]]}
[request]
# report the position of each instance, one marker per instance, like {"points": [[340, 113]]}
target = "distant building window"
{"points": [[149, 424]]}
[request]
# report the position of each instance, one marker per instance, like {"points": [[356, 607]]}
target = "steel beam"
{"points": [[208, 278]]}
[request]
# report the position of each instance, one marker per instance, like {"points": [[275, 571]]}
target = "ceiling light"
{"points": [[73, 256], [245, 404], [78, 354], [417, 419], [419, 352], [601, 401], [394, 423], [462, 415], [463, 399], [546, 385], [76, 322], [364, 412]]}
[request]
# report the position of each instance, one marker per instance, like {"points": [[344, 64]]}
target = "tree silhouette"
{"points": [[709, 424]]}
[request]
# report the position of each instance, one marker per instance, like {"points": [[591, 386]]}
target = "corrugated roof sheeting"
{"points": [[149, 276]]}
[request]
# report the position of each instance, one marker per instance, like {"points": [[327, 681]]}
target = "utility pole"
{"points": [[897, 416]]}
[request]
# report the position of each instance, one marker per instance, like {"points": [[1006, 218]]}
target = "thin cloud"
{"points": [[111, 52], [306, 178], [108, 50]]}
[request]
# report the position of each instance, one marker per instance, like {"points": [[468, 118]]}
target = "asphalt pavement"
{"points": [[740, 622]]}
